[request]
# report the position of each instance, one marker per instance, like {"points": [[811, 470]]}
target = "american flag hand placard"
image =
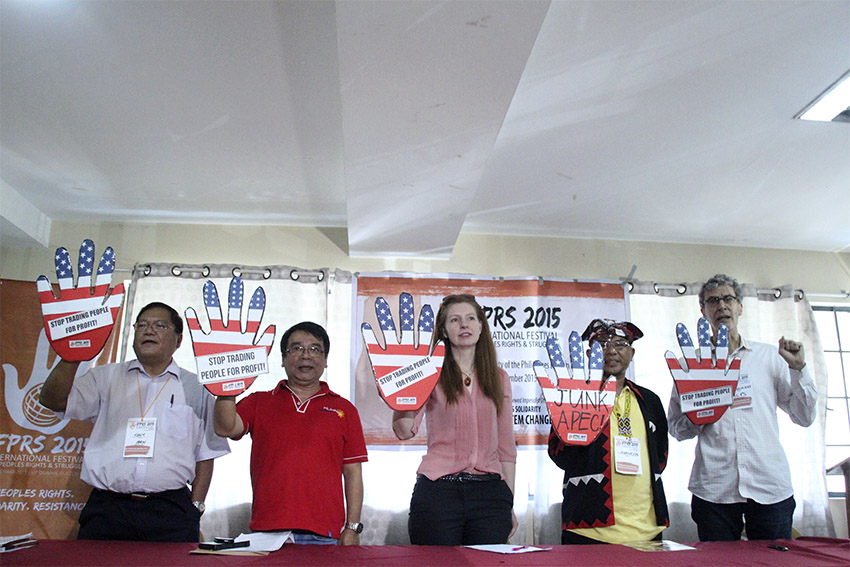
{"points": [[406, 370], [706, 381], [579, 402], [230, 358], [79, 321]]}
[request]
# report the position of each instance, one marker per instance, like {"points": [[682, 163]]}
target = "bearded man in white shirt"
{"points": [[740, 473]]}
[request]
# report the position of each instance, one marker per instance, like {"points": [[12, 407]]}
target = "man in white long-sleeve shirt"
{"points": [[740, 471], [153, 436]]}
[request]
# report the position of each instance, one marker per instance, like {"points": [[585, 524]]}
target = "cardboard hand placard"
{"points": [[230, 358], [579, 402], [80, 320], [406, 372], [707, 382]]}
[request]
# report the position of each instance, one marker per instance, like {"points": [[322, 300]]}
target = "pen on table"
{"points": [[520, 548], [777, 547], [172, 400], [19, 544]]}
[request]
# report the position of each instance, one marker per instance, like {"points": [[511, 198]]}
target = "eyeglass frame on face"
{"points": [[155, 326], [311, 351], [715, 300], [618, 344]]}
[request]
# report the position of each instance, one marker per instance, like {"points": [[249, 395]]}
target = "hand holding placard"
{"points": [[707, 382], [79, 321], [579, 402], [230, 358], [406, 372]]}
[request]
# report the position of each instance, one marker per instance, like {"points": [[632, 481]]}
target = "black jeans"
{"points": [[725, 522], [163, 516], [460, 513]]}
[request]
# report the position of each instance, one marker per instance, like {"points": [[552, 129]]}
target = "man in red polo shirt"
{"points": [[307, 442]]}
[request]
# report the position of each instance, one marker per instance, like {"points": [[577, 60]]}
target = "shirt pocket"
{"points": [[180, 422]]}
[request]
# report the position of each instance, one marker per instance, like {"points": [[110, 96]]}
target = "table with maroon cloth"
{"points": [[802, 552]]}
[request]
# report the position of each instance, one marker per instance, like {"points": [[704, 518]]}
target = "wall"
{"points": [[307, 247]]}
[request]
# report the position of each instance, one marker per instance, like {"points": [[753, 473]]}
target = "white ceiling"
{"points": [[410, 121]]}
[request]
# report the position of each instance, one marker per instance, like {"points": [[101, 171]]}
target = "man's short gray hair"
{"points": [[717, 281]]}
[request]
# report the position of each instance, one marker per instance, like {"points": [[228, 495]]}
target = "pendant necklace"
{"points": [[467, 378]]}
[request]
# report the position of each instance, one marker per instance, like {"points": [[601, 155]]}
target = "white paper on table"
{"points": [[263, 541], [664, 545], [506, 548]]}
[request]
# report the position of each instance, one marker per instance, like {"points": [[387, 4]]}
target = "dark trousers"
{"points": [[725, 522], [161, 516], [460, 513]]}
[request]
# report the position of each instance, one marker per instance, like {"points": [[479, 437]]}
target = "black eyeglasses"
{"points": [[717, 299], [616, 344], [298, 350], [158, 326]]}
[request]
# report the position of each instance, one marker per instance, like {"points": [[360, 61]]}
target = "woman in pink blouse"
{"points": [[464, 486]]}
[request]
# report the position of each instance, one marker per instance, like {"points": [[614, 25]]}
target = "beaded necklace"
{"points": [[624, 424]]}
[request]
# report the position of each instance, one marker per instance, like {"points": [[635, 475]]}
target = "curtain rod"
{"points": [[250, 272], [682, 288], [842, 295]]}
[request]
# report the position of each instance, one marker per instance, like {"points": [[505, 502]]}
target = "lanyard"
{"points": [[138, 384]]}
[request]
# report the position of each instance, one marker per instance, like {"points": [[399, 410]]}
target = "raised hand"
{"points": [[406, 370], [707, 382], [792, 352], [229, 357], [578, 400], [79, 321]]}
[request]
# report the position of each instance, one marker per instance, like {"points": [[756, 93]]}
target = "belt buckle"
{"points": [[138, 496]]}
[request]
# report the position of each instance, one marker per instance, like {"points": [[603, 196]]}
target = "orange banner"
{"points": [[40, 454]]}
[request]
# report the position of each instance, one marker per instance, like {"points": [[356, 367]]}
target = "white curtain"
{"points": [[767, 315], [325, 296]]}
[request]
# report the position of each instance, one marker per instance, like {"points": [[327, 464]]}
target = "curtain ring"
{"points": [[321, 276], [267, 273], [655, 287], [205, 271], [682, 289], [176, 271], [236, 272], [294, 275], [147, 270], [630, 285], [799, 295]]}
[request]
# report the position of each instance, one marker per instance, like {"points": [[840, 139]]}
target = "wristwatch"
{"points": [[199, 504], [356, 527]]}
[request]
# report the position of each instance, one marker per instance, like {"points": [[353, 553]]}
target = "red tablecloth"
{"points": [[803, 552]]}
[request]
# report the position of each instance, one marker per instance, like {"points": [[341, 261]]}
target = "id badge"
{"points": [[627, 455], [743, 393], [140, 437]]}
